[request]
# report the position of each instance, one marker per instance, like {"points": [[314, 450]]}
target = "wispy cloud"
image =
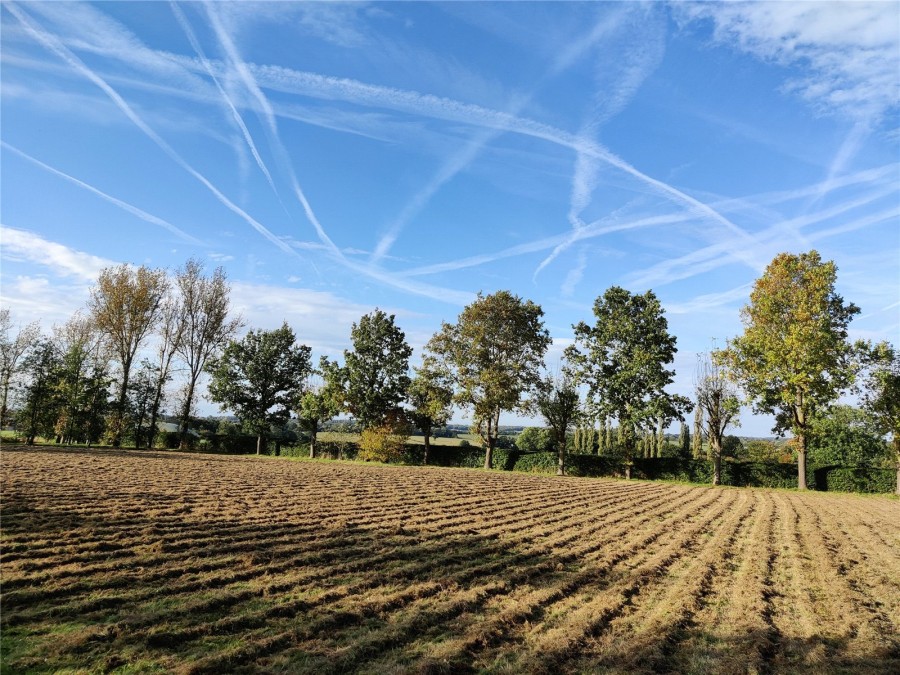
{"points": [[24, 246], [133, 210], [573, 278], [851, 50], [708, 301]]}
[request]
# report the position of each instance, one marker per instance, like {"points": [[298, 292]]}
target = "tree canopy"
{"points": [[494, 353], [375, 371], [622, 359], [259, 378], [794, 356]]}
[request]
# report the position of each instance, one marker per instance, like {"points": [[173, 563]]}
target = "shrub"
{"points": [[384, 443]]}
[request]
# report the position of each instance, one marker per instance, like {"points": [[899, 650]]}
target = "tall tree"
{"points": [[320, 402], [794, 355], [684, 440], [12, 350], [376, 369], [170, 333], [82, 380], [622, 358], [207, 328], [40, 404], [559, 404], [881, 395], [494, 353], [259, 378], [430, 397], [697, 438], [718, 399], [125, 305]]}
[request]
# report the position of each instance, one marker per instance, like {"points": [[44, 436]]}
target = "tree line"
{"points": [[793, 360]]}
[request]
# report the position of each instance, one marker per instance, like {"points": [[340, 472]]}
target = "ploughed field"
{"points": [[142, 561]]}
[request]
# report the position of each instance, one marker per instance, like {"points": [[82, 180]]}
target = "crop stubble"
{"points": [[163, 561]]}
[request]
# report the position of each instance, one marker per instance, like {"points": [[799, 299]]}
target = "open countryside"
{"points": [[171, 562]]}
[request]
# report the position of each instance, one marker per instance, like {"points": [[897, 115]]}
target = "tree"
{"points": [[82, 380], [535, 439], [697, 439], [684, 440], [494, 353], [320, 402], [259, 378], [430, 396], [559, 404], [12, 351], [622, 359], [170, 331], [141, 392], [717, 398], [40, 405], [794, 356], [376, 370], [125, 305], [207, 328], [881, 396]]}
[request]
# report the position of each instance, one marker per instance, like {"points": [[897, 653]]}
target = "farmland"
{"points": [[143, 561]]}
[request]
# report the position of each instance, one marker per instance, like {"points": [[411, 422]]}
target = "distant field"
{"points": [[343, 437], [167, 562]]}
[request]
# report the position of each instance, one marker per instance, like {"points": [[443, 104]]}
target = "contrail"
{"points": [[60, 50], [143, 215]]}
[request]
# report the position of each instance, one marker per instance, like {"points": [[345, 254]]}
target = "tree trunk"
{"points": [[186, 416], [489, 453], [628, 472], [897, 457], [427, 446], [313, 432], [561, 458], [259, 441], [801, 461], [715, 450]]}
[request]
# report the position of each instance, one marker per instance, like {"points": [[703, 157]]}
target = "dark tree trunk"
{"points": [[489, 453], [185, 417], [313, 431], [259, 442], [427, 436]]}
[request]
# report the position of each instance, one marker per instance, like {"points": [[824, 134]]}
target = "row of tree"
{"points": [[793, 360]]}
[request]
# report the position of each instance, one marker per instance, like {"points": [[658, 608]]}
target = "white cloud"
{"points": [[23, 246], [849, 50]]}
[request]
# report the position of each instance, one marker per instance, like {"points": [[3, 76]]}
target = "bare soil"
{"points": [[153, 561]]}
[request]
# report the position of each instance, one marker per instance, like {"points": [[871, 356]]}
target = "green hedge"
{"points": [[854, 479]]}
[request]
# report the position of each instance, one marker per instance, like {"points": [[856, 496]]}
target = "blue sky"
{"points": [[338, 157]]}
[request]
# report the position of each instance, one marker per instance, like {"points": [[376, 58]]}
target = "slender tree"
{"points": [[559, 404], [12, 350], [622, 359], [697, 438], [376, 369], [494, 353], [794, 355], [40, 404], [125, 305], [170, 333], [881, 394], [207, 328], [320, 401], [684, 440], [259, 378], [718, 399], [431, 400]]}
